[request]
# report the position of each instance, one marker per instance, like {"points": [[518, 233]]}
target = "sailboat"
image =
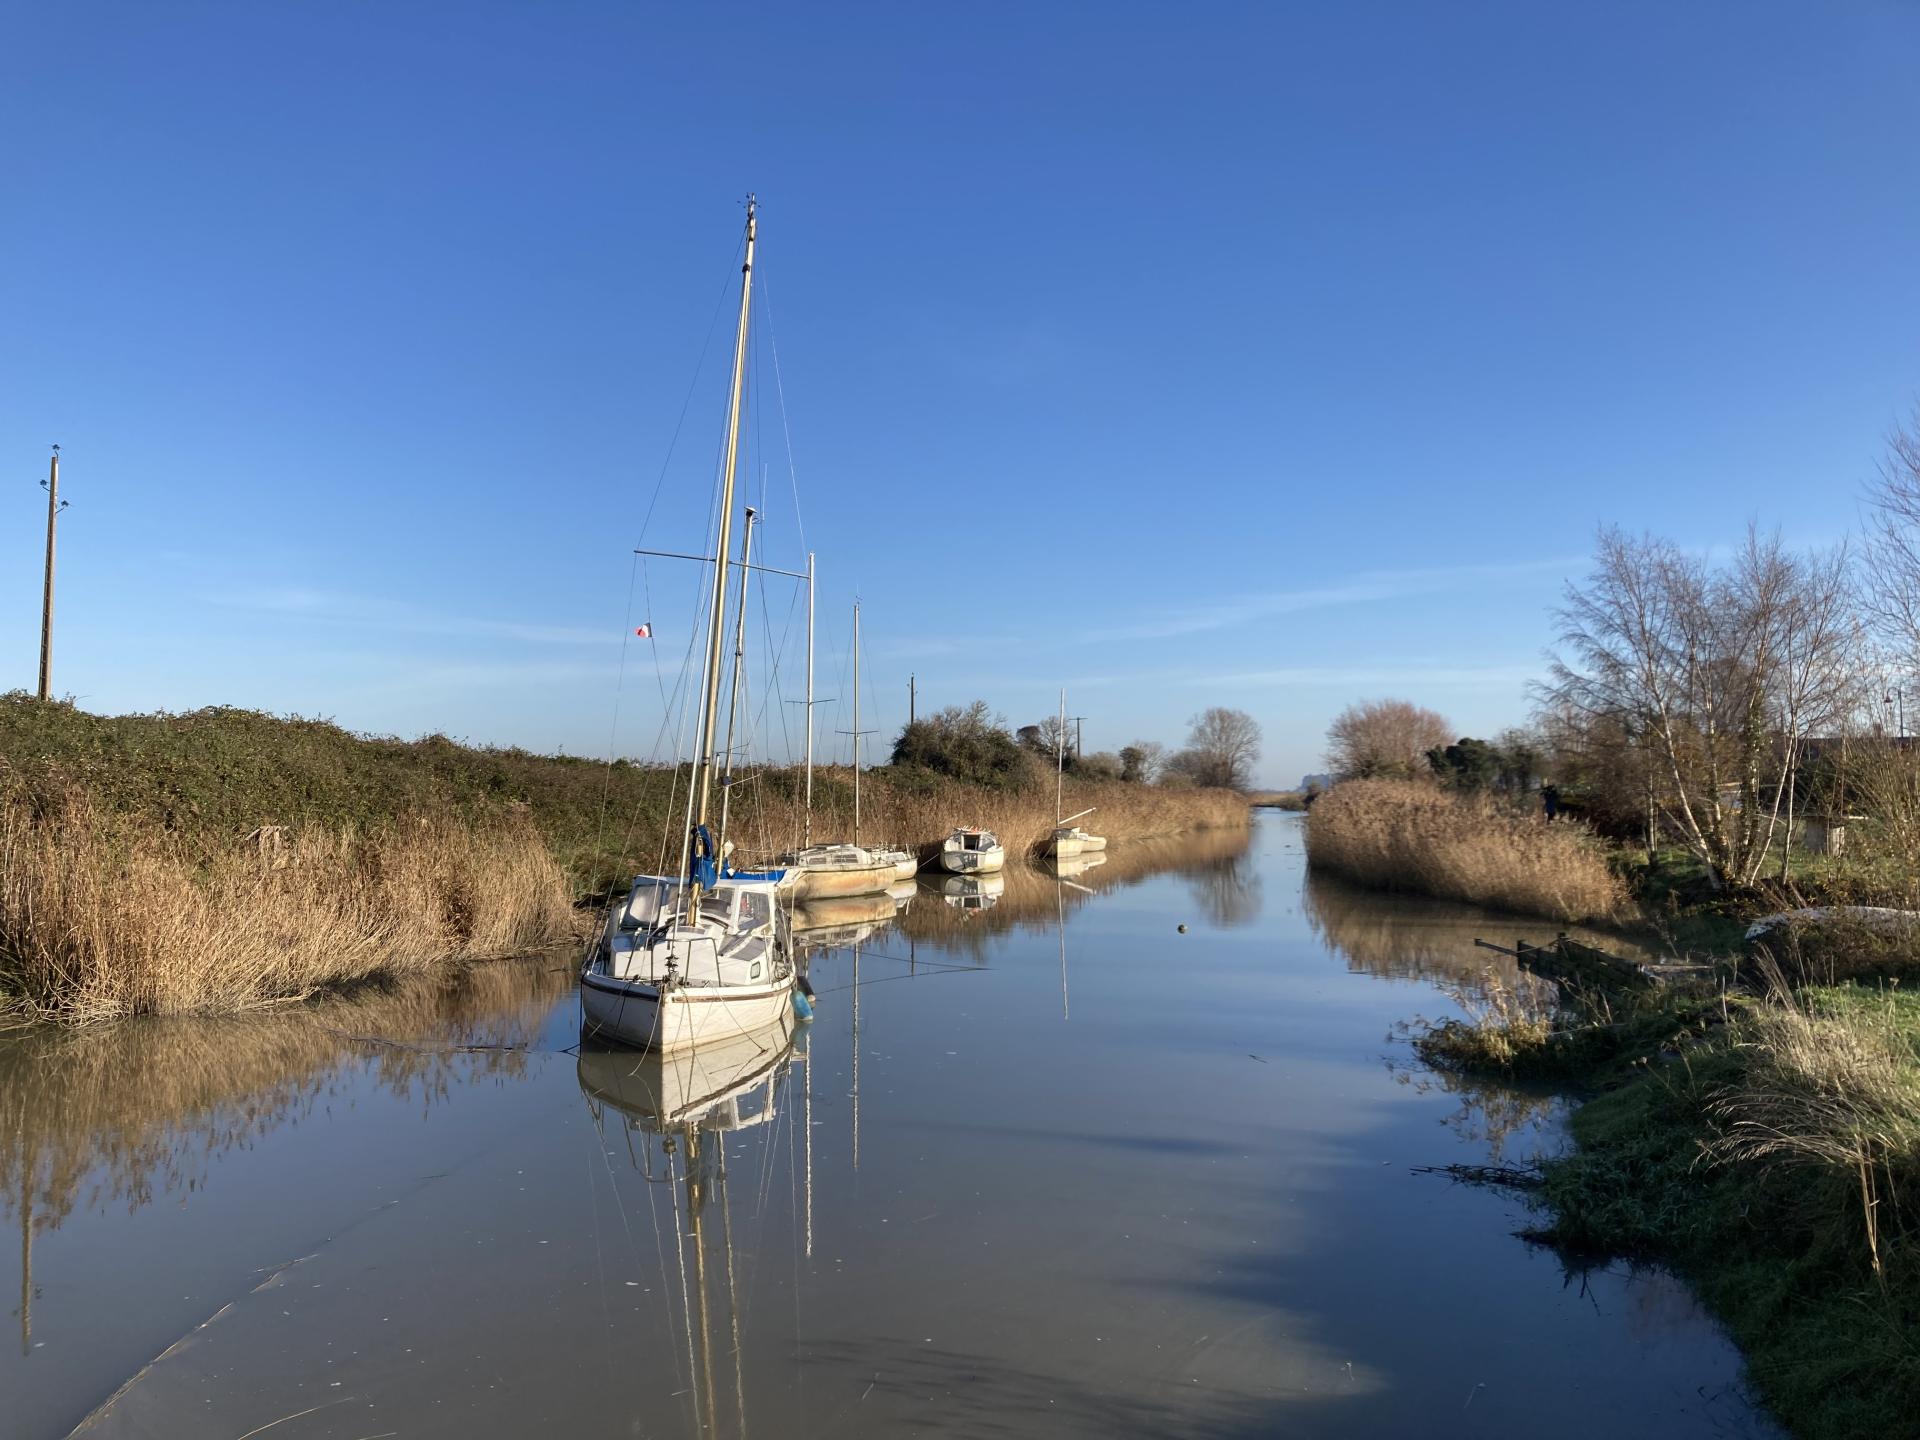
{"points": [[842, 868], [704, 953], [1067, 839]]}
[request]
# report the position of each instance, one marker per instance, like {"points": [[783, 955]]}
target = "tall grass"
{"points": [[1399, 835], [101, 918]]}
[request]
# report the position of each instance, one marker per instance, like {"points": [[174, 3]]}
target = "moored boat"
{"points": [[970, 851], [706, 952]]}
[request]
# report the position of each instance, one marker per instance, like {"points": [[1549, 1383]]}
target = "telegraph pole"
{"points": [[1079, 735], [54, 506], [913, 695]]}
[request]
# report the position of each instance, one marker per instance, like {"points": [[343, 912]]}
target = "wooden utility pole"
{"points": [[54, 507], [1079, 736], [913, 695]]}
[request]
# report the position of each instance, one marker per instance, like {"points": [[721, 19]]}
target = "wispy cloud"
{"points": [[378, 613], [1509, 674], [1366, 587]]}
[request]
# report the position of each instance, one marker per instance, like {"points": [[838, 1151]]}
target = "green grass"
{"points": [[1776, 1247], [216, 775]]}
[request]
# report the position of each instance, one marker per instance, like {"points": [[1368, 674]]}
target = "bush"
{"points": [[965, 743]]}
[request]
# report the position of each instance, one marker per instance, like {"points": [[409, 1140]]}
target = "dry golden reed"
{"points": [[918, 818], [1400, 835], [99, 920]]}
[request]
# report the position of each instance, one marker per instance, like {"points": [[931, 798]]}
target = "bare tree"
{"points": [[1049, 738], [1221, 749], [1892, 594], [1719, 674], [1385, 738]]}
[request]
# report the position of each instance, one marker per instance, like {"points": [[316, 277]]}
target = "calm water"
{"points": [[1145, 1183]]}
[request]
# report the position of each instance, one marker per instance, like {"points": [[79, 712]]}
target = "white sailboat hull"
{"points": [[973, 862], [648, 1017], [842, 880]]}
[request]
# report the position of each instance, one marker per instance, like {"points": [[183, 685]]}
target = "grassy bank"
{"points": [[1397, 835], [212, 861], [1767, 1148]]}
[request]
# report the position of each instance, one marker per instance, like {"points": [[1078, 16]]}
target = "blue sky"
{"points": [[1273, 356]]}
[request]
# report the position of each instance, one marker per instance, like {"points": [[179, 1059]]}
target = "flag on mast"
{"points": [[645, 632]]}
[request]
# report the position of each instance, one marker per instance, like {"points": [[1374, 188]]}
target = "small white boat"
{"points": [[969, 851], [824, 872], [973, 892], [664, 977], [1070, 840]]}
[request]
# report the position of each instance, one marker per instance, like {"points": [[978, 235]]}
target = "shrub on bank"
{"points": [[1403, 835]]}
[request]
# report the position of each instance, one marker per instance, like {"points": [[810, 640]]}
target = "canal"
{"points": [[1044, 1163]]}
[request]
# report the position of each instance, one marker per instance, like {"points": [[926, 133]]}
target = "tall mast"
{"points": [[739, 660], [1060, 761], [717, 618], [807, 823], [856, 722], [46, 599]]}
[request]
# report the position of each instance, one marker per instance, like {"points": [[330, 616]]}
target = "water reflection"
{"points": [[675, 1113], [1047, 1227], [1027, 899], [1409, 937], [138, 1110]]}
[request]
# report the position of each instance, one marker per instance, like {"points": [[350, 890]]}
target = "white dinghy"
{"points": [[970, 851]]}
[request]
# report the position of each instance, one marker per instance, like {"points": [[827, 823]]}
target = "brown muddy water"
{"points": [[1042, 1165]]}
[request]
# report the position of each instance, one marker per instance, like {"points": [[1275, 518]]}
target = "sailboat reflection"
{"points": [[969, 893], [835, 923], [681, 1107]]}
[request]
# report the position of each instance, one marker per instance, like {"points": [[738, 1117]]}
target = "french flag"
{"points": [[645, 632]]}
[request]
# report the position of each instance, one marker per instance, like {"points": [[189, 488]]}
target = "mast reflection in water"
{"points": [[675, 1112]]}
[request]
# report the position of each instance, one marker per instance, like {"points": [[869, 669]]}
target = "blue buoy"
{"points": [[802, 1007]]}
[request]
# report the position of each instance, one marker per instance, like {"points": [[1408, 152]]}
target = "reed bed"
{"points": [[1400, 835], [102, 918]]}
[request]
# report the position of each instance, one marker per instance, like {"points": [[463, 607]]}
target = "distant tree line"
{"points": [[974, 744]]}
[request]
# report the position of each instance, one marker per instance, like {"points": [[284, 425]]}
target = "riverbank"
{"points": [[223, 859], [1764, 1146], [1399, 835]]}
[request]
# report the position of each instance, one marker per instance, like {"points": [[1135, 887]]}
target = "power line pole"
{"points": [[913, 695], [1079, 735], [54, 506]]}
